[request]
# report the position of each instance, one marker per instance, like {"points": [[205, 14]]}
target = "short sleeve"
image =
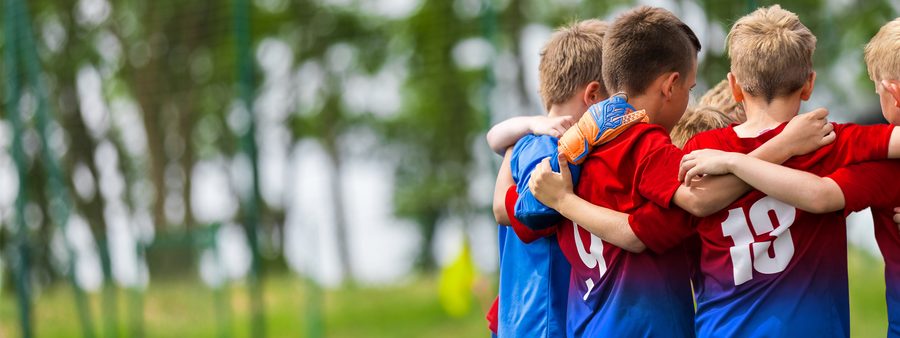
{"points": [[525, 234], [869, 184], [657, 174], [660, 229], [856, 143]]}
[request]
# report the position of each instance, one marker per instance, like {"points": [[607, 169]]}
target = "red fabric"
{"points": [[870, 184], [636, 173], [661, 229], [819, 241], [876, 184], [492, 316], [523, 232]]}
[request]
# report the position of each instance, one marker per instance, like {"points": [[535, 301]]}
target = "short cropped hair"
{"points": [[883, 53], [697, 120], [721, 98], [571, 59], [644, 43], [771, 52]]}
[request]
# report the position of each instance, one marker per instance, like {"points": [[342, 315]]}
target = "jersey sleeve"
{"points": [[525, 234], [657, 171], [856, 143], [869, 184], [660, 229]]}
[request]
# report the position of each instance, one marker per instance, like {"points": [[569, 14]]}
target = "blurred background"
{"points": [[284, 168]]}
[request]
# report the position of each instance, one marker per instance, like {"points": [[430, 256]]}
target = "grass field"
{"points": [[186, 309]]}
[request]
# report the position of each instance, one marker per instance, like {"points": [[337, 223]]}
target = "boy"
{"points": [[851, 188], [650, 55], [767, 269], [533, 271]]}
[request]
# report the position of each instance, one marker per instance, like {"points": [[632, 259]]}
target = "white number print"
{"points": [[591, 259], [747, 255]]}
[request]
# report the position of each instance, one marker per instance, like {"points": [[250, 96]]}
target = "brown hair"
{"points": [[697, 120], [571, 59], [644, 43], [771, 52], [883, 53], [721, 98]]}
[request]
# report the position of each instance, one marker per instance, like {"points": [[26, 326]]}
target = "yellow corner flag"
{"points": [[455, 285]]}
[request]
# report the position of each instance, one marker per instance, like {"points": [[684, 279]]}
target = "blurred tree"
{"points": [[435, 130]]}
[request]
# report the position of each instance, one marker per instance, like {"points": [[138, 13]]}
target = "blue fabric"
{"points": [[534, 281], [534, 277], [527, 154]]}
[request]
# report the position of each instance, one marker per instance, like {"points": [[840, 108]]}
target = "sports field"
{"points": [[185, 309]]}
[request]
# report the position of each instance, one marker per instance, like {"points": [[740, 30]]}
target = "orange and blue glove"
{"points": [[600, 124]]}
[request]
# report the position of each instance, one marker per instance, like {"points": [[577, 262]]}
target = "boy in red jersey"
{"points": [[852, 188]]}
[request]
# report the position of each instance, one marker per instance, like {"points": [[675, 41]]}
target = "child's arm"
{"points": [[801, 189], [505, 134], [897, 216], [894, 147], [805, 133], [504, 181], [555, 190]]}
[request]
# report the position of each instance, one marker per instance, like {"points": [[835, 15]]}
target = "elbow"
{"points": [[500, 214], [699, 208], [492, 141], [636, 246], [824, 201]]}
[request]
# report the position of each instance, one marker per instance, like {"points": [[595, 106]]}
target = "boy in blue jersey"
{"points": [[534, 274]]}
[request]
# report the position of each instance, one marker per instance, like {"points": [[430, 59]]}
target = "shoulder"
{"points": [[638, 141], [708, 139], [533, 146]]}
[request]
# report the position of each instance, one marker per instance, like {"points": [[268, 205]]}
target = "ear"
{"points": [[736, 90], [807, 89], [593, 93], [892, 87], [668, 84]]}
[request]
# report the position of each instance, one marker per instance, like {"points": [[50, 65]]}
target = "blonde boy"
{"points": [[762, 258], [852, 188]]}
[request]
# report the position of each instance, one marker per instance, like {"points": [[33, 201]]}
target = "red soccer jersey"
{"points": [[768, 269], [877, 184], [615, 292]]}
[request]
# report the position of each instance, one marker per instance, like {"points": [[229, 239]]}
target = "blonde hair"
{"points": [[571, 59], [697, 120], [771, 52], [883, 53], [722, 99]]}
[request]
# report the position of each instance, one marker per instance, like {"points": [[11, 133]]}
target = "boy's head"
{"points": [[883, 63], [570, 66], [697, 120], [651, 55], [771, 55], [721, 98]]}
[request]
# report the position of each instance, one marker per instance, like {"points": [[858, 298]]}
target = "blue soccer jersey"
{"points": [[534, 276]]}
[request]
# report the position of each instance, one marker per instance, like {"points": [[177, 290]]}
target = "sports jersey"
{"points": [[768, 269], [876, 184], [534, 274], [613, 292]]}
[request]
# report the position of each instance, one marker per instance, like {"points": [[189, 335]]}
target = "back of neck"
{"points": [[558, 110], [763, 116]]}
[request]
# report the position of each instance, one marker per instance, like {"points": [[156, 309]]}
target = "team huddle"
{"points": [[626, 213]]}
